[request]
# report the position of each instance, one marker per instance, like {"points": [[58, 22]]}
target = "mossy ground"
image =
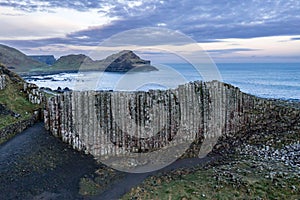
{"points": [[238, 175], [235, 180], [96, 183]]}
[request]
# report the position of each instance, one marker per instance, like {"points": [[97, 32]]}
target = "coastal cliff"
{"points": [[206, 114], [47, 59], [122, 61]]}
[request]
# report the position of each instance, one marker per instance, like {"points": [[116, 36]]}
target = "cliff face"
{"points": [[125, 61], [119, 62], [47, 59], [121, 123]]}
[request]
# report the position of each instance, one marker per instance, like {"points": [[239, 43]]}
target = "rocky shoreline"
{"points": [[261, 170]]}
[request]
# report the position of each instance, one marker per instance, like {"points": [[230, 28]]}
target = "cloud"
{"points": [[296, 38], [235, 50], [50, 5], [204, 21]]}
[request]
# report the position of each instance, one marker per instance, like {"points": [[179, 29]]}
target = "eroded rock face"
{"points": [[115, 123]]}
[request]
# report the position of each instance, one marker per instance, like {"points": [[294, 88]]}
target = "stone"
{"points": [[2, 81], [112, 123]]}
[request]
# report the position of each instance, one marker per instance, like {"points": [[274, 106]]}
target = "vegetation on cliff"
{"points": [[14, 103], [17, 61], [47, 59], [122, 61]]}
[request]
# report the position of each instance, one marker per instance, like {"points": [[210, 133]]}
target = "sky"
{"points": [[229, 31]]}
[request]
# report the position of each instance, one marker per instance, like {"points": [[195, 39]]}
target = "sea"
{"points": [[268, 80]]}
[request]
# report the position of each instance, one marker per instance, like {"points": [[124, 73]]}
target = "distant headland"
{"points": [[21, 63]]}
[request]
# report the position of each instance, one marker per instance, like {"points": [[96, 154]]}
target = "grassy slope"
{"points": [[65, 63], [11, 57], [83, 62], [14, 99]]}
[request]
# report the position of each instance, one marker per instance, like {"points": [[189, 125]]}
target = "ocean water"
{"points": [[269, 80]]}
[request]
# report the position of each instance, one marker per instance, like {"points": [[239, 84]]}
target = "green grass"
{"points": [[15, 100], [88, 187], [235, 180], [12, 57]]}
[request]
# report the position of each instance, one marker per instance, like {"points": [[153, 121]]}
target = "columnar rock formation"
{"points": [[117, 123], [35, 96], [2, 81]]}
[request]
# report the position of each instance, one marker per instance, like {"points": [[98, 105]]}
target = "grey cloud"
{"points": [[46, 5], [210, 20], [296, 38], [204, 21]]}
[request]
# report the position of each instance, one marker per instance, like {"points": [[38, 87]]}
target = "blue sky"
{"points": [[230, 31]]}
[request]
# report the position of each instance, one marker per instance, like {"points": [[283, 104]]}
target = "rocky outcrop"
{"points": [[117, 123], [2, 81], [35, 95], [13, 77], [123, 61]]}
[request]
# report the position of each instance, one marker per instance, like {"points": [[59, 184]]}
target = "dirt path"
{"points": [[117, 190], [36, 165]]}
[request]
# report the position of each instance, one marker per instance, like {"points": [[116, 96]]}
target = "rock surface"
{"points": [[2, 81], [119, 123]]}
